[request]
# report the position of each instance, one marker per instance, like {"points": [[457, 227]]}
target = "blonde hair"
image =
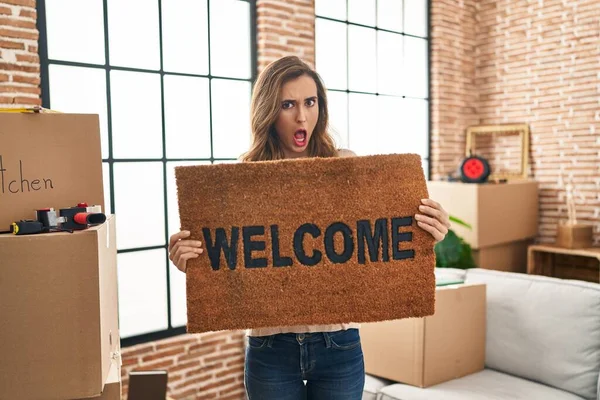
{"points": [[266, 105]]}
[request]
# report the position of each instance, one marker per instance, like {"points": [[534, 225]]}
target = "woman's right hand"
{"points": [[181, 249]]}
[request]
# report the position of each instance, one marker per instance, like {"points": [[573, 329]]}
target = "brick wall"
{"points": [[535, 62], [453, 95], [200, 366], [285, 28], [19, 60]]}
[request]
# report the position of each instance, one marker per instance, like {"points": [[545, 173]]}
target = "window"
{"points": [[165, 78], [373, 56]]}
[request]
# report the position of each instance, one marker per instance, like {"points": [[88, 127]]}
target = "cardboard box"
{"points": [[426, 351], [112, 386], [498, 213], [574, 236], [58, 295], [48, 160], [510, 257]]}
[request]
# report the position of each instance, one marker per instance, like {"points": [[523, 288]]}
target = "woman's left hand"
{"points": [[434, 219]]}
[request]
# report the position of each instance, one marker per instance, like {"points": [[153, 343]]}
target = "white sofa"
{"points": [[542, 342]]}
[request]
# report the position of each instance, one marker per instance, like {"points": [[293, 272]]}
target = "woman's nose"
{"points": [[301, 116]]}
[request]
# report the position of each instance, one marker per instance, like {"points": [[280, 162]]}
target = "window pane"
{"points": [[181, 21], [187, 117], [362, 127], [172, 203], [80, 90], [390, 135], [84, 17], [178, 297], [389, 14], [136, 114], [415, 126], [331, 8], [139, 204], [230, 38], [231, 117], [415, 67], [133, 33], [142, 292], [415, 17], [330, 48], [362, 59], [389, 63], [338, 117], [362, 12], [106, 181]]}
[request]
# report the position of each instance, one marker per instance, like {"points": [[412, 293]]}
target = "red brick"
{"points": [[219, 356], [163, 354], [130, 361], [184, 365], [180, 342], [234, 396], [14, 33], [138, 350], [27, 3], [28, 101], [235, 362], [237, 345], [216, 384], [209, 337], [230, 371], [184, 394], [207, 396], [17, 23], [6, 44], [30, 58], [156, 365], [33, 80], [5, 10], [4, 78], [27, 13], [204, 369], [196, 355]]}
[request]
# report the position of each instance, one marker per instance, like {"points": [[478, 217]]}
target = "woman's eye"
{"points": [[310, 102], [286, 105]]}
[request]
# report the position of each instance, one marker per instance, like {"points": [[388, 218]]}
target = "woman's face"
{"points": [[298, 115]]}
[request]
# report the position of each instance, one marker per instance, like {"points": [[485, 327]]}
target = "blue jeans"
{"points": [[331, 363]]}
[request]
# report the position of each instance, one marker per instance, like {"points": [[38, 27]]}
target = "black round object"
{"points": [[474, 169]]}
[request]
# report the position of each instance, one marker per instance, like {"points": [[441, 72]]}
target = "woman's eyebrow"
{"points": [[294, 101]]}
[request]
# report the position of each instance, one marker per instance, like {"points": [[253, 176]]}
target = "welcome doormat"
{"points": [[306, 242]]}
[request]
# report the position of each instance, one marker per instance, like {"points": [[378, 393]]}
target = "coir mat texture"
{"points": [[306, 242]]}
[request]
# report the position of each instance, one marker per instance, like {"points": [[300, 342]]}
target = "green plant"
{"points": [[453, 251]]}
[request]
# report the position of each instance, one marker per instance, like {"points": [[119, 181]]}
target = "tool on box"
{"points": [[474, 169], [68, 219]]}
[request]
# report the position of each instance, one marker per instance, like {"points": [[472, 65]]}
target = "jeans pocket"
{"points": [[257, 342], [345, 340]]}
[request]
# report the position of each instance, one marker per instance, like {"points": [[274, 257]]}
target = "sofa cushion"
{"points": [[543, 329], [450, 274], [372, 386], [484, 385]]}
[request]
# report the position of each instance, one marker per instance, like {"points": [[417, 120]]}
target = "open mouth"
{"points": [[300, 137]]}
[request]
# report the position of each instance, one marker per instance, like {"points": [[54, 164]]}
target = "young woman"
{"points": [[289, 120]]}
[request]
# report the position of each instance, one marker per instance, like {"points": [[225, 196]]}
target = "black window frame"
{"points": [[45, 62]]}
